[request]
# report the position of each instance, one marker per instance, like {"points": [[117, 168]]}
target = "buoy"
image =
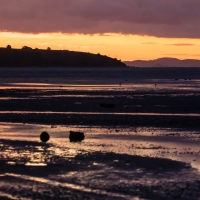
{"points": [[44, 136]]}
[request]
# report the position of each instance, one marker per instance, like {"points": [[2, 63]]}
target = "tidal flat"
{"points": [[145, 147]]}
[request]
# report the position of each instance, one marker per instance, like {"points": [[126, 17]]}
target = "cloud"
{"points": [[176, 54], [181, 44], [166, 18], [150, 43]]}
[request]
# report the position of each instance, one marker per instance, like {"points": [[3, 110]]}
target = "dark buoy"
{"points": [[76, 136], [44, 136]]}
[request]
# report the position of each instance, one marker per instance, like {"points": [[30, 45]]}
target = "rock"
{"points": [[44, 136], [76, 136], [107, 105]]}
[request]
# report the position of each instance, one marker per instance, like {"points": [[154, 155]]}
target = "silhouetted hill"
{"points": [[43, 58], [164, 62]]}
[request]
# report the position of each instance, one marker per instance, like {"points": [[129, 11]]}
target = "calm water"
{"points": [[98, 75], [121, 162]]}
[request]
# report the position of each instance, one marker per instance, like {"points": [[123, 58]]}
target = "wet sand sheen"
{"points": [[102, 113], [147, 147]]}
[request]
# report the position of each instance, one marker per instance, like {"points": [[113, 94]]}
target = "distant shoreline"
{"points": [[164, 63]]}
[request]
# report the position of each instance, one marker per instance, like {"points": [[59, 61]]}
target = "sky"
{"points": [[122, 29]]}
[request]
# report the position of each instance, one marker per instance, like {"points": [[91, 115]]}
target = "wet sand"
{"points": [[146, 147], [123, 163], [74, 105]]}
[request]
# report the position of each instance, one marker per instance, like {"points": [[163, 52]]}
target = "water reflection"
{"points": [[95, 174], [102, 113], [131, 85], [112, 163], [175, 144]]}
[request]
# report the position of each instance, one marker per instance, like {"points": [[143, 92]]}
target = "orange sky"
{"points": [[124, 29], [124, 47]]}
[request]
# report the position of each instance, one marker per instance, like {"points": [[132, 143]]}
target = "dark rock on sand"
{"points": [[44, 136], [76, 136], [107, 105]]}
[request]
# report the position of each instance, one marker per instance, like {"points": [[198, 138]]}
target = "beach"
{"points": [[145, 146]]}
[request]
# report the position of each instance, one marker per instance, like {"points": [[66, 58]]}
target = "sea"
{"points": [[143, 148]]}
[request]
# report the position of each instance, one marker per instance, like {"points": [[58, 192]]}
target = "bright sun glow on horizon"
{"points": [[124, 47]]}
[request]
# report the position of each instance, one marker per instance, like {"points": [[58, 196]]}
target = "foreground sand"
{"points": [[146, 147], [145, 163]]}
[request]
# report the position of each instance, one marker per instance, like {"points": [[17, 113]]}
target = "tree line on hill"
{"points": [[42, 58]]}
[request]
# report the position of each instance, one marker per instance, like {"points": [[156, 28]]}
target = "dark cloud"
{"points": [[160, 18]]}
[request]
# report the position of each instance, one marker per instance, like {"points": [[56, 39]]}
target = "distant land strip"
{"points": [[164, 62], [27, 57]]}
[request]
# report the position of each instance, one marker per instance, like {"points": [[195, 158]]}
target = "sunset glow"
{"points": [[124, 47], [124, 29]]}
